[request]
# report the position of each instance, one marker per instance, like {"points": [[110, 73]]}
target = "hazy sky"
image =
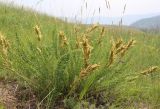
{"points": [[72, 8]]}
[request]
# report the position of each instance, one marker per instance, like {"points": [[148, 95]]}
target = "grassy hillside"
{"points": [[152, 24], [77, 66]]}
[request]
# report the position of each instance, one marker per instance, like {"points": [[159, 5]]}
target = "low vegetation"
{"points": [[64, 65]]}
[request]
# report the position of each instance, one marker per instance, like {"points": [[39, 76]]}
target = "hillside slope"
{"points": [[148, 23], [73, 66], [20, 22]]}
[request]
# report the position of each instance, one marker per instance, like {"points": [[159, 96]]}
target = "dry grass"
{"points": [[63, 39], [119, 49], [38, 32], [150, 70], [86, 71]]}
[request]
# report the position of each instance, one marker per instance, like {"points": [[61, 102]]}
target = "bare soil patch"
{"points": [[12, 96], [8, 94]]}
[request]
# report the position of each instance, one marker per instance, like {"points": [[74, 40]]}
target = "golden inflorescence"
{"points": [[87, 71], [86, 50], [89, 30], [38, 32], [119, 49], [101, 35], [149, 70], [63, 39], [4, 47], [4, 43]]}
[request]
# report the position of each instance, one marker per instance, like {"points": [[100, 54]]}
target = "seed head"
{"points": [[129, 45], [101, 35], [87, 71], [39, 50], [132, 78], [149, 70], [87, 48], [63, 39], [38, 32], [111, 57], [4, 44], [118, 43], [92, 28]]}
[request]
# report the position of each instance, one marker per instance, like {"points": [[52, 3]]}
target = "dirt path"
{"points": [[12, 96], [7, 95]]}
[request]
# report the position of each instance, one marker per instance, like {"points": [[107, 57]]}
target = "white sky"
{"points": [[72, 8]]}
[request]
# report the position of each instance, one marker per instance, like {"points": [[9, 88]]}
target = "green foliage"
{"points": [[60, 75], [51, 70]]}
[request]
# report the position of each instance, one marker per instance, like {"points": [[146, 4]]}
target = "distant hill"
{"points": [[127, 19], [152, 23]]}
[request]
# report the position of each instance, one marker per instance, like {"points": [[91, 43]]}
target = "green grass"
{"points": [[52, 72], [1, 106]]}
